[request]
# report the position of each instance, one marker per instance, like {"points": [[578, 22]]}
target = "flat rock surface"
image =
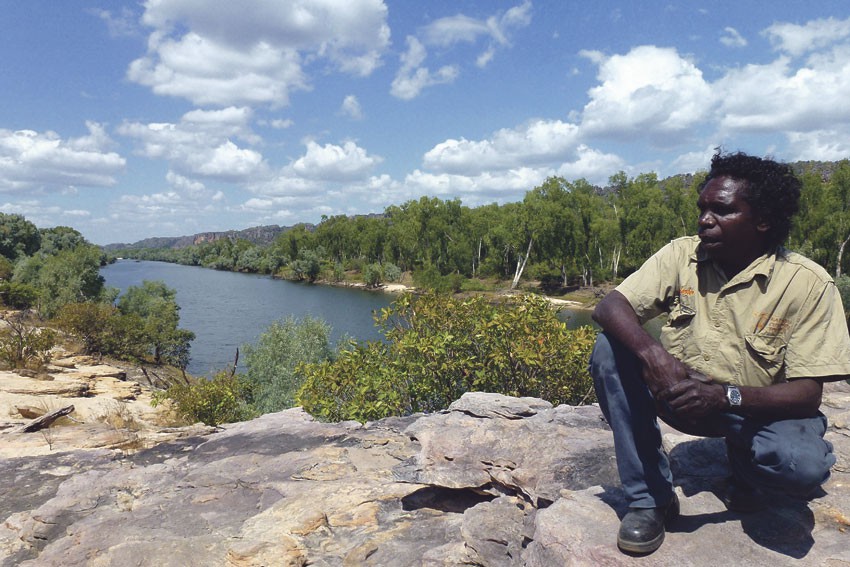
{"points": [[492, 481]]}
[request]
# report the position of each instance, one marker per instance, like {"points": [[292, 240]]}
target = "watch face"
{"points": [[734, 395]]}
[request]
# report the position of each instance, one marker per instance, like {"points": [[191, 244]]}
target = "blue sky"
{"points": [[127, 120]]}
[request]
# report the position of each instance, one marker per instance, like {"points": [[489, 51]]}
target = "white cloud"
{"points": [[796, 39], [255, 51], [351, 108], [649, 91], [732, 38], [186, 186], [123, 24], [200, 144], [412, 77], [534, 143], [781, 97], [593, 165], [335, 163], [829, 145], [31, 160], [460, 28]]}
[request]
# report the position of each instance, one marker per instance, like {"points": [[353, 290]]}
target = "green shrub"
{"points": [[221, 399], [18, 295], [429, 278], [372, 275], [439, 347], [358, 385], [392, 273], [23, 345], [89, 322], [272, 362]]}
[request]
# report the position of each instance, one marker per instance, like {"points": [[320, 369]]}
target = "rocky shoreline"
{"points": [[110, 411], [492, 481]]}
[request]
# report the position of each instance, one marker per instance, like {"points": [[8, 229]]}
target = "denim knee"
{"points": [[794, 462]]}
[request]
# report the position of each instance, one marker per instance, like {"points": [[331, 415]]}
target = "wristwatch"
{"points": [[733, 394]]}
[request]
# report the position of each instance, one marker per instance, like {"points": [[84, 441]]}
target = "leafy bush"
{"points": [[372, 275], [18, 295], [358, 384], [91, 323], [392, 273], [221, 399], [429, 278], [271, 363], [156, 307], [440, 347], [22, 345]]}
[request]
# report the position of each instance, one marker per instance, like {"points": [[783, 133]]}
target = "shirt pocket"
{"points": [[677, 330], [764, 359]]}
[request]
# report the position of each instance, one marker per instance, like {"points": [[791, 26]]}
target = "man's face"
{"points": [[730, 232]]}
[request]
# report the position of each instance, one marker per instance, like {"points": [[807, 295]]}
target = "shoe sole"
{"points": [[641, 547]]}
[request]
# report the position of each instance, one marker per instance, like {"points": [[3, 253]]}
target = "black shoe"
{"points": [[642, 529], [743, 498]]}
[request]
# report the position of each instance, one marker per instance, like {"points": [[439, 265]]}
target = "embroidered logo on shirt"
{"points": [[770, 325]]}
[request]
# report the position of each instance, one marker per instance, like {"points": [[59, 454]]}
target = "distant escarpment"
{"points": [[255, 235]]}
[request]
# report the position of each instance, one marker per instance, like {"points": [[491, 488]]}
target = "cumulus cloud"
{"points": [[31, 160], [648, 91], [732, 38], [534, 143], [255, 51], [412, 76], [796, 40], [780, 96], [335, 163], [201, 145], [832, 144]]}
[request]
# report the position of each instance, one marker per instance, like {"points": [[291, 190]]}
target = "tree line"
{"points": [[562, 233], [53, 275]]}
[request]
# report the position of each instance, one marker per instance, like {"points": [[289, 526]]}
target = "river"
{"points": [[226, 310]]}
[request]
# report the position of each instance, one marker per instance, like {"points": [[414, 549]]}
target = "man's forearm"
{"points": [[618, 319]]}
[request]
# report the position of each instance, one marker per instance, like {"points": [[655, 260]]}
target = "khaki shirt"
{"points": [[780, 318]]}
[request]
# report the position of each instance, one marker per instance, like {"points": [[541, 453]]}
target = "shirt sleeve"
{"points": [[650, 289], [819, 345]]}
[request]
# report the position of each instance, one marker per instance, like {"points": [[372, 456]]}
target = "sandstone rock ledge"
{"points": [[493, 481]]}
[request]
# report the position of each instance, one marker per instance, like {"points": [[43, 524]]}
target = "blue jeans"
{"points": [[787, 456]]}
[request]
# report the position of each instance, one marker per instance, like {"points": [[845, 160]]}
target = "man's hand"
{"points": [[694, 397], [661, 370]]}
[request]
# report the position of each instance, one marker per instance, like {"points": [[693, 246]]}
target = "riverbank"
{"points": [[590, 296], [107, 406]]}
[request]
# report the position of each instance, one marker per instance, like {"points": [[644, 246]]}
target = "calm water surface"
{"points": [[226, 310]]}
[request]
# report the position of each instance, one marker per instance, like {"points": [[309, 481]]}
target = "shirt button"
{"points": [[717, 323], [707, 356]]}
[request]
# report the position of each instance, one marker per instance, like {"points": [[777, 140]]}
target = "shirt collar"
{"points": [[761, 266]]}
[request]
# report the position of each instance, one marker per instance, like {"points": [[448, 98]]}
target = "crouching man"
{"points": [[752, 333]]}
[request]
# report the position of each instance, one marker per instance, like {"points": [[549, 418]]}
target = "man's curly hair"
{"points": [[771, 189]]}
